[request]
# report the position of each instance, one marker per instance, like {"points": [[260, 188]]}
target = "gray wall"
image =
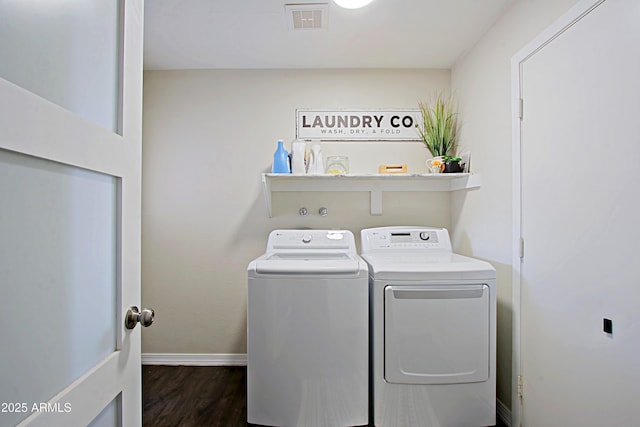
{"points": [[208, 135]]}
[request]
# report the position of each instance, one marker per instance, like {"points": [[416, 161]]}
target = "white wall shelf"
{"points": [[375, 184]]}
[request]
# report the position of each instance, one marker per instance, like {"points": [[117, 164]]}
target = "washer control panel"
{"points": [[311, 239], [401, 238]]}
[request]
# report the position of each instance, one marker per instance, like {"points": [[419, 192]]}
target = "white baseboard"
{"points": [[194, 359], [503, 413]]}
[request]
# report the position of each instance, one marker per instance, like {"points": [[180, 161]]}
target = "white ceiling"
{"points": [[191, 34]]}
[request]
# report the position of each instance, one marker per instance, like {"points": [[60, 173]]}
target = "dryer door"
{"points": [[436, 334]]}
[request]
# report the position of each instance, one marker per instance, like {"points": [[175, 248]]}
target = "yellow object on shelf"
{"points": [[337, 165], [392, 169]]}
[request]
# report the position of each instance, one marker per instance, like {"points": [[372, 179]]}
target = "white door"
{"points": [[580, 172], [437, 334], [70, 212]]}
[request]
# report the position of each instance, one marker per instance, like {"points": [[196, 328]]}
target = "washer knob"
{"points": [[424, 235], [306, 238]]}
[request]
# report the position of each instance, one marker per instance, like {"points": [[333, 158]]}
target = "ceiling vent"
{"points": [[308, 16]]}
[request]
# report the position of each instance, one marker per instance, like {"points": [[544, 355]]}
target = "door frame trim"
{"points": [[562, 24]]}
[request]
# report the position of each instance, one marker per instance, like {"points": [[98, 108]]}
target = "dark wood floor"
{"points": [[194, 396], [198, 396]]}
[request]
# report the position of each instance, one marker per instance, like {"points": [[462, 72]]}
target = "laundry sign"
{"points": [[352, 125]]}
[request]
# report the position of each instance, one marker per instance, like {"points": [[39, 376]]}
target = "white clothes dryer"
{"points": [[307, 331], [433, 330]]}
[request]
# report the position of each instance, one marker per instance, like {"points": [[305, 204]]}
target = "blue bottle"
{"points": [[281, 160]]}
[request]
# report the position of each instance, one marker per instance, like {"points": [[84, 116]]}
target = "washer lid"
{"points": [[433, 265], [307, 262]]}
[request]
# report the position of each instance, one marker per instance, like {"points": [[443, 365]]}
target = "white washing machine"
{"points": [[307, 331], [433, 330]]}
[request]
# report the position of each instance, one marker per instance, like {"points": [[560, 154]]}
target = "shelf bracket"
{"points": [[266, 190], [376, 202]]}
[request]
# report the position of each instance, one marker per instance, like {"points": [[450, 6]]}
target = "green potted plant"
{"points": [[452, 164], [439, 131]]}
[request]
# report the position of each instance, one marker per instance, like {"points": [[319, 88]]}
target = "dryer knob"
{"points": [[424, 235], [306, 238]]}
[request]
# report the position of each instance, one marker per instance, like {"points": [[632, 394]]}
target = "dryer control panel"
{"points": [[389, 239]]}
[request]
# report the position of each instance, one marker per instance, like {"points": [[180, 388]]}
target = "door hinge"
{"points": [[520, 385], [521, 248], [520, 108]]}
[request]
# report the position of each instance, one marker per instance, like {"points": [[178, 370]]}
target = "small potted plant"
{"points": [[452, 164], [439, 132]]}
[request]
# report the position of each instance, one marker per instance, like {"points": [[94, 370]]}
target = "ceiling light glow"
{"points": [[352, 4]]}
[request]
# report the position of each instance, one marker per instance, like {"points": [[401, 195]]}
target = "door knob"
{"points": [[134, 316]]}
